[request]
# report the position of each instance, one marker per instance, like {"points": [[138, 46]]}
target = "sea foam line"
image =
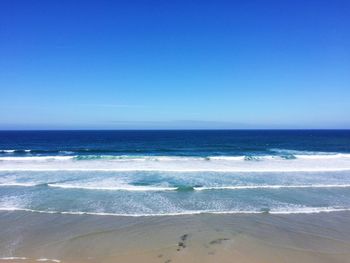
{"points": [[242, 187], [182, 170], [132, 188], [48, 259], [117, 188], [13, 258], [25, 258], [303, 210], [200, 188]]}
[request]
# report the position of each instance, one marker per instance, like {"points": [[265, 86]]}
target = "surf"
{"points": [[266, 163]]}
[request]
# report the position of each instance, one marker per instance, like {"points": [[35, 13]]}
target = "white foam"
{"points": [[284, 211], [7, 151], [25, 258], [303, 163], [13, 151], [13, 258], [133, 188], [309, 210], [48, 259], [239, 187], [115, 188]]}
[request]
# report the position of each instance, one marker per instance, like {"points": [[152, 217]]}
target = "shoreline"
{"points": [[301, 211], [29, 237]]}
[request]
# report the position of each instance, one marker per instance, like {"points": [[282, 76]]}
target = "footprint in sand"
{"points": [[182, 243], [218, 241]]}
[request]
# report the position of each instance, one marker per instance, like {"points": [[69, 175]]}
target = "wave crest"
{"points": [[267, 163]]}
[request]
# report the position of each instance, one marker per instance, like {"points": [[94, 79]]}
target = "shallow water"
{"points": [[157, 173]]}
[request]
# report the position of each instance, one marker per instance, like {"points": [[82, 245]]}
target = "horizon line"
{"points": [[189, 129]]}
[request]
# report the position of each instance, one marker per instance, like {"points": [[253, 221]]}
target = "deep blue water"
{"points": [[178, 143], [175, 172]]}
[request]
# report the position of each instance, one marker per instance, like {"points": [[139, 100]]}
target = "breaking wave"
{"points": [[136, 188], [268, 163]]}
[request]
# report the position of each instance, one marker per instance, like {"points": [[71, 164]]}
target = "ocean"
{"points": [[159, 173]]}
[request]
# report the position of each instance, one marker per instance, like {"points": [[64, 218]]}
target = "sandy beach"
{"points": [[33, 237]]}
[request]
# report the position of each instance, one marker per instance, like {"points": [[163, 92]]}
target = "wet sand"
{"points": [[34, 237]]}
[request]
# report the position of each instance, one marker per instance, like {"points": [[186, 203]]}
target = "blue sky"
{"points": [[174, 64]]}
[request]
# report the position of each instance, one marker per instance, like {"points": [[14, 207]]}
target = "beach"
{"points": [[33, 237], [175, 196]]}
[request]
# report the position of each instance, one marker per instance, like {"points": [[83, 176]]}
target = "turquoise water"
{"points": [[140, 173]]}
